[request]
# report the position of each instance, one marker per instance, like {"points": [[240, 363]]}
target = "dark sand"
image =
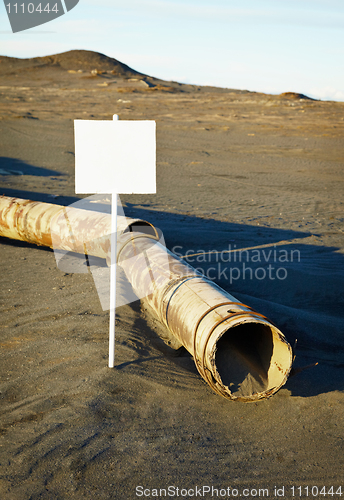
{"points": [[233, 168]]}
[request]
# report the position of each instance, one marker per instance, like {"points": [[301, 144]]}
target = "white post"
{"points": [[113, 276], [113, 280]]}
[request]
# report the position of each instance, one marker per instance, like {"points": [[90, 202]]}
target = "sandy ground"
{"points": [[234, 169]]}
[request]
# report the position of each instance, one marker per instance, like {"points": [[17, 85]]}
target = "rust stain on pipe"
{"points": [[240, 353]]}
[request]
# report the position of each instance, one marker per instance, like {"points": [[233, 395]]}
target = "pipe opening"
{"points": [[141, 227], [243, 359]]}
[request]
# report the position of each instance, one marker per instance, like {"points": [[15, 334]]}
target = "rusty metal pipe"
{"points": [[66, 228], [240, 353]]}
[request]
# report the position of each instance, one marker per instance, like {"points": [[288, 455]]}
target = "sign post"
{"points": [[114, 157], [113, 268]]}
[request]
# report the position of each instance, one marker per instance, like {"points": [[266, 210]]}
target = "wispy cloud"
{"points": [[316, 13]]}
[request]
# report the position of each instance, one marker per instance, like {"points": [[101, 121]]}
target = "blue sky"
{"points": [[269, 46]]}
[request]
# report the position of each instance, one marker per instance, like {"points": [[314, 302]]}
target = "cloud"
{"points": [[28, 47], [326, 93], [85, 27], [300, 13]]}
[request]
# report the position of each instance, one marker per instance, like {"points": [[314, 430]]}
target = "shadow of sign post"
{"points": [[114, 157]]}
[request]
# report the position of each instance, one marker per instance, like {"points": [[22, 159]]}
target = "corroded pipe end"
{"points": [[246, 361]]}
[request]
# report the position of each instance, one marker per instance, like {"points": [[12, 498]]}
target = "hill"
{"points": [[56, 69], [85, 60]]}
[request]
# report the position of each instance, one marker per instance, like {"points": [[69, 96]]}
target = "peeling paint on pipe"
{"points": [[240, 353]]}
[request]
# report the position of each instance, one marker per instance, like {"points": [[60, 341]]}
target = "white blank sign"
{"points": [[115, 156]]}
